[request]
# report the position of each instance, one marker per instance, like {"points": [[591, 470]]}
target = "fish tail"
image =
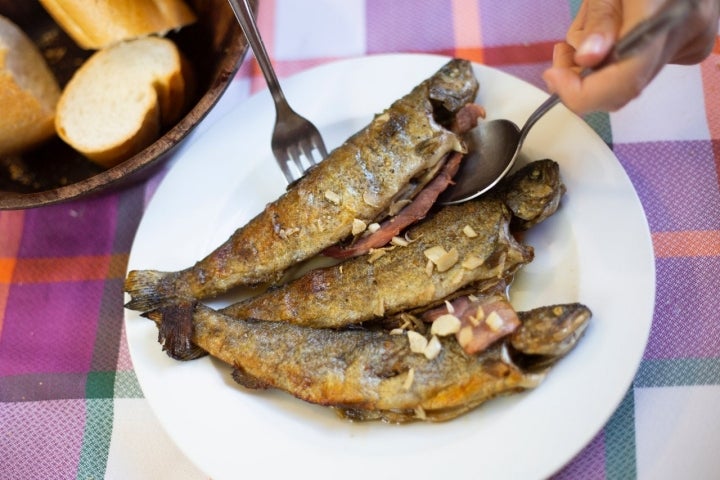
{"points": [[146, 289], [176, 329]]}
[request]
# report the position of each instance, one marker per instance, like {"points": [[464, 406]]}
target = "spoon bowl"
{"points": [[493, 147]]}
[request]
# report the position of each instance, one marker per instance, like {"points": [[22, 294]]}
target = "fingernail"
{"points": [[595, 44]]}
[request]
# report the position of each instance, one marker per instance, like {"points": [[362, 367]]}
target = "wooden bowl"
{"points": [[54, 172]]}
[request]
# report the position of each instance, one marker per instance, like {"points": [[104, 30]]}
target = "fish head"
{"points": [[547, 334], [453, 86], [533, 193]]}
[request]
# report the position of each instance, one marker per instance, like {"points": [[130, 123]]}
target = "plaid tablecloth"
{"points": [[71, 406]]}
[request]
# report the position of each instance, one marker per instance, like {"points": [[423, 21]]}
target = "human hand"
{"points": [[596, 28]]}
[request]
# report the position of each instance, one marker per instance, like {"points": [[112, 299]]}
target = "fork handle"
{"points": [[245, 17]]}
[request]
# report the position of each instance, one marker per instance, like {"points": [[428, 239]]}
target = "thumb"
{"points": [[603, 20]]}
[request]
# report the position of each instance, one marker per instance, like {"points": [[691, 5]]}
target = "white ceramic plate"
{"points": [[595, 250]]}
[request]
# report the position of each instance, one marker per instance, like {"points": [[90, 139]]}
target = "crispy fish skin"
{"points": [[360, 289], [364, 374], [358, 180]]}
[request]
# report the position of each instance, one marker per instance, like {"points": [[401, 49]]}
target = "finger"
{"points": [[563, 55], [577, 94], [606, 90], [575, 31], [603, 21], [633, 12]]}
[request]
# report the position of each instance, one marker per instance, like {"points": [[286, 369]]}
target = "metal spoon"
{"points": [[495, 145]]}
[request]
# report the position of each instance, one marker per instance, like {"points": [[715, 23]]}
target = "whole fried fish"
{"points": [[400, 278], [364, 288], [367, 374], [358, 181]]}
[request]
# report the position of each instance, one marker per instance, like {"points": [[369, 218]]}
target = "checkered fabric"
{"points": [[71, 406]]}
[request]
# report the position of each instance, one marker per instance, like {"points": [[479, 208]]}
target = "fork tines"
{"points": [[299, 158]]}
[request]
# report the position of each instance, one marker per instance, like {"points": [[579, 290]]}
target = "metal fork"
{"points": [[294, 138]]}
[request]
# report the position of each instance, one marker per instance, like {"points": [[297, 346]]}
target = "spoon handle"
{"points": [[670, 15], [551, 101]]}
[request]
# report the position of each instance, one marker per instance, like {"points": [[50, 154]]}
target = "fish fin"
{"points": [[241, 376], [144, 287], [357, 414], [175, 329], [389, 416]]}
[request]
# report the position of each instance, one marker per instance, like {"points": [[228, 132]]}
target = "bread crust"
{"points": [[28, 92], [100, 23]]}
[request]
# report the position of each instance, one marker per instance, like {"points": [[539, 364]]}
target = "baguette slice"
{"points": [[28, 92], [117, 102], [99, 23]]}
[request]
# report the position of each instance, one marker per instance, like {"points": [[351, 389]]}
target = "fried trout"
{"points": [[372, 374], [478, 246], [396, 153]]}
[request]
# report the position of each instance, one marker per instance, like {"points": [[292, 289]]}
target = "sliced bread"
{"points": [[117, 102], [100, 23], [28, 92]]}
